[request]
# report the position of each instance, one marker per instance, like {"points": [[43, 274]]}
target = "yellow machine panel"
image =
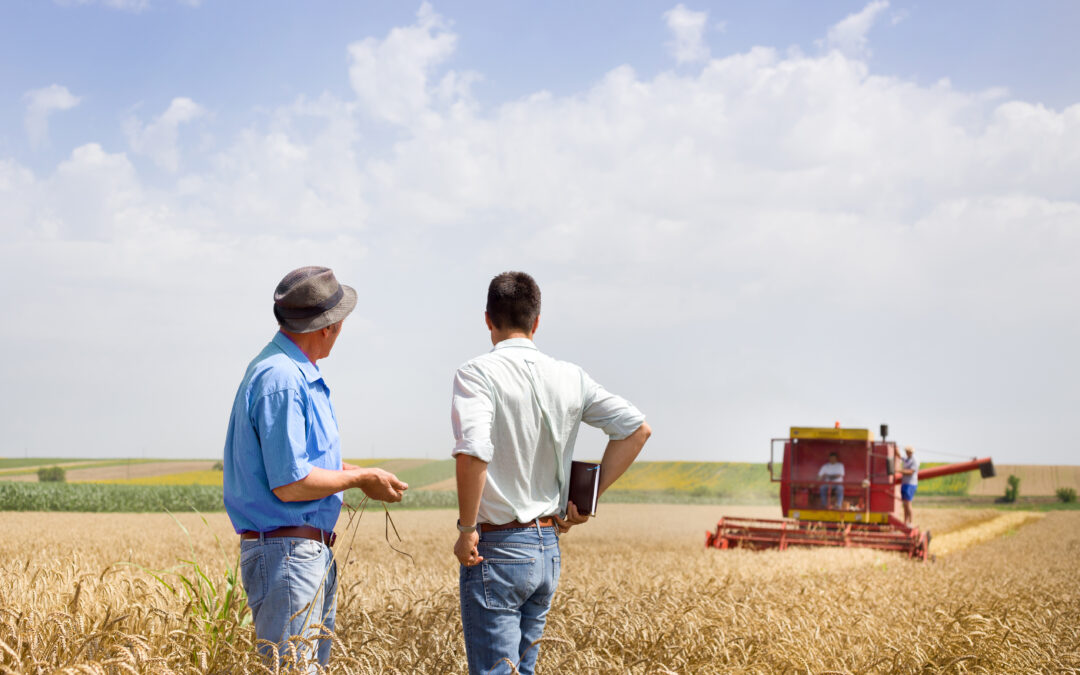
{"points": [[833, 434], [839, 516]]}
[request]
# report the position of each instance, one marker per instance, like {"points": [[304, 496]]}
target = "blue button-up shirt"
{"points": [[282, 425]]}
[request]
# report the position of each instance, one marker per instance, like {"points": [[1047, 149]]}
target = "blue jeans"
{"points": [[291, 585], [837, 490], [505, 599]]}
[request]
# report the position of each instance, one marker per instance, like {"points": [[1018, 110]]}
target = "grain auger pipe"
{"points": [[984, 466]]}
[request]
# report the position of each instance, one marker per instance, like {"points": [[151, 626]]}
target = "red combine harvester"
{"points": [[866, 514]]}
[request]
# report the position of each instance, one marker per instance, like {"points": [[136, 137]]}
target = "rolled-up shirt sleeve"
{"points": [[614, 414], [471, 413], [279, 420]]}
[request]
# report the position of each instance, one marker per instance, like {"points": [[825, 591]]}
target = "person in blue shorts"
{"points": [[909, 481]]}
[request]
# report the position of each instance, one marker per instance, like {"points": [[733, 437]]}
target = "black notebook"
{"points": [[584, 486]]}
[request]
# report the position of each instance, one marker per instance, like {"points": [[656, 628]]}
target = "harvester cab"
{"points": [[838, 487]]}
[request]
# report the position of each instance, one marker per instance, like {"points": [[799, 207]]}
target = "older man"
{"points": [[283, 470], [516, 414]]}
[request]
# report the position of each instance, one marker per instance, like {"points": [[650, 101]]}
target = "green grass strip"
{"points": [[99, 498]]}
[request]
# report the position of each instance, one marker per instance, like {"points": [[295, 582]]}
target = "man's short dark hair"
{"points": [[513, 301]]}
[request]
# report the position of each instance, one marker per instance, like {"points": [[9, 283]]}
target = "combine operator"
{"points": [[832, 475]]}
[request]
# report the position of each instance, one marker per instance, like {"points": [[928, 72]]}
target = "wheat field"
{"points": [[639, 593]]}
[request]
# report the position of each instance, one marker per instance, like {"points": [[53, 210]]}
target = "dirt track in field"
{"points": [[115, 471], [13, 473], [449, 484]]}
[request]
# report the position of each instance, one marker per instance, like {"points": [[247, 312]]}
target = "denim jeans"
{"points": [[505, 599], [291, 585], [837, 489]]}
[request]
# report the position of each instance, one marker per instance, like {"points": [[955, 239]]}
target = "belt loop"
{"points": [[262, 538]]}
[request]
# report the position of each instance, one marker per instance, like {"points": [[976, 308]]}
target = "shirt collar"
{"points": [[310, 370], [515, 342]]}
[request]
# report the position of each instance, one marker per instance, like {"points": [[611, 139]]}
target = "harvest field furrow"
{"points": [[639, 593]]}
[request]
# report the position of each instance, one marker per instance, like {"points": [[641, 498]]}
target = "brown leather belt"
{"points": [[302, 531], [544, 522]]}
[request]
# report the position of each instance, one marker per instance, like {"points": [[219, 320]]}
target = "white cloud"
{"points": [[688, 29], [158, 139], [40, 104], [392, 76], [849, 35], [788, 227]]}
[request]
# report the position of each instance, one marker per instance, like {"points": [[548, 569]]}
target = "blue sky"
{"points": [[237, 58], [744, 216]]}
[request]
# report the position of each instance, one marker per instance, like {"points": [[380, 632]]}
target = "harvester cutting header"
{"points": [[838, 487]]}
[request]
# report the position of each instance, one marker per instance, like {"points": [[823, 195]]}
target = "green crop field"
{"points": [[417, 473], [176, 486], [955, 485], [93, 497], [724, 481]]}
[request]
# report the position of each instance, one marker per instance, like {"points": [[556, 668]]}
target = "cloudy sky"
{"points": [[743, 216]]}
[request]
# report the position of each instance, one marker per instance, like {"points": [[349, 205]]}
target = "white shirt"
{"points": [[832, 472], [913, 464], [519, 410]]}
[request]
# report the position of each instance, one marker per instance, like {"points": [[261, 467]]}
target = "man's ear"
{"points": [[536, 324], [487, 320]]}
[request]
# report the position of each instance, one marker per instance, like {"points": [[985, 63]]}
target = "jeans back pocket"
{"points": [[510, 577]]}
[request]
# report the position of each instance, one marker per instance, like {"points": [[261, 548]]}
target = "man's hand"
{"points": [[572, 518], [465, 548], [381, 485]]}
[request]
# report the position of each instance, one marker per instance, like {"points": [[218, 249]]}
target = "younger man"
{"points": [[515, 414]]}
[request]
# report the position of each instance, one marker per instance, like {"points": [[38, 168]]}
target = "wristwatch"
{"points": [[465, 528]]}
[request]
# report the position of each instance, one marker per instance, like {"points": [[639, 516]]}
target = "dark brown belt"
{"points": [[302, 531], [544, 522]]}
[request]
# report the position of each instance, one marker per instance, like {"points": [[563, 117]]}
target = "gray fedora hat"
{"points": [[310, 298]]}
